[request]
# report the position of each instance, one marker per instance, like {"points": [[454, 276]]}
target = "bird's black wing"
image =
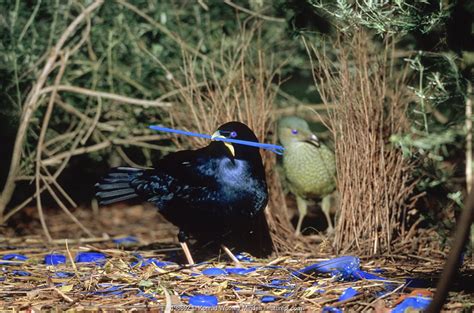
{"points": [[178, 172], [182, 178]]}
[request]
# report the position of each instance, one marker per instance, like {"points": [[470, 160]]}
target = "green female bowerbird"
{"points": [[309, 165]]}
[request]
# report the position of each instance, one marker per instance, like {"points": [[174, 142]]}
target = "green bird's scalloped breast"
{"points": [[310, 170]]}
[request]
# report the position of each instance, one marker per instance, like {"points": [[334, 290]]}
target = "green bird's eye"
{"points": [[294, 131]]}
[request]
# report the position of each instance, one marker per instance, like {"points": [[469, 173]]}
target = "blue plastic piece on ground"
{"points": [[54, 259], [146, 262], [342, 267], [147, 295], [365, 275], [63, 274], [243, 257], [214, 271], [110, 290], [414, 303], [21, 273], [347, 294], [330, 309], [129, 240], [13, 257], [90, 257], [273, 267], [203, 300], [266, 299], [240, 270]]}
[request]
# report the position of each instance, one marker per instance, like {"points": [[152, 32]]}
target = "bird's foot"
{"points": [[187, 253], [231, 256], [182, 237], [298, 226]]}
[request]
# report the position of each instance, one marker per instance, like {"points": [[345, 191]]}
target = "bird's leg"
{"points": [[326, 208], [182, 237], [302, 210], [231, 255]]}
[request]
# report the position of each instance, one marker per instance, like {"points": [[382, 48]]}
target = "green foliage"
{"points": [[437, 115], [384, 17]]}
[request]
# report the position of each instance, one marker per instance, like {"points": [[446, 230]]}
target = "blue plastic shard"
{"points": [[147, 295], [126, 241], [21, 273], [97, 257], [214, 271], [109, 290], [413, 303], [240, 270], [365, 275], [347, 294], [13, 257], [244, 257], [273, 267], [203, 300], [63, 274], [54, 259], [288, 294], [146, 262], [278, 281], [330, 309], [341, 268], [267, 299]]}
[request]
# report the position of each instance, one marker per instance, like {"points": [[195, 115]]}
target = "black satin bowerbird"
{"points": [[216, 194]]}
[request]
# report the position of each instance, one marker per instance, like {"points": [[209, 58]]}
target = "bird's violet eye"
{"points": [[294, 131], [233, 134]]}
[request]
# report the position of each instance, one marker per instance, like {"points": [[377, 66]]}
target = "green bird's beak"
{"points": [[229, 146], [313, 139]]}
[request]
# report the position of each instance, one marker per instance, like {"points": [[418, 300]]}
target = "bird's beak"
{"points": [[313, 139], [229, 146]]}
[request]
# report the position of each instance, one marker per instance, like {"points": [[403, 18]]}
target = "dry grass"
{"points": [[374, 180], [117, 284]]}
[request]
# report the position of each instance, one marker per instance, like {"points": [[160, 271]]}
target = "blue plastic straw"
{"points": [[275, 148]]}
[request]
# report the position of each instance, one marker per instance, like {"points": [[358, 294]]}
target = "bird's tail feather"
{"points": [[115, 186]]}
